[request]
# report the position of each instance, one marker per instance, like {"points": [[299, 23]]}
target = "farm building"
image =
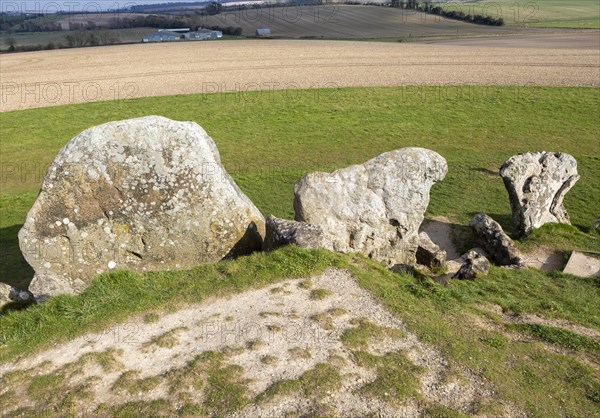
{"points": [[163, 35], [264, 33], [169, 35]]}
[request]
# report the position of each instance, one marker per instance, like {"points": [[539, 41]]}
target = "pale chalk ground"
{"points": [[208, 328], [49, 78]]}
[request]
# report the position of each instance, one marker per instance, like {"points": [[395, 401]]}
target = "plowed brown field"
{"points": [[47, 78]]}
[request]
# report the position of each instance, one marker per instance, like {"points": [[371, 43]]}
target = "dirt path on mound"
{"points": [[49, 78], [284, 323]]}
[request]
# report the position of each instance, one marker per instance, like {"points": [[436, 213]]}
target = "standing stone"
{"points": [[140, 194], [429, 254], [537, 184], [490, 236], [282, 232], [475, 265], [374, 208]]}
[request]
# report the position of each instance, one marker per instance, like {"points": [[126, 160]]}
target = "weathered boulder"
{"points": [[475, 265], [537, 184], [20, 296], [429, 254], [141, 194], [10, 294], [4, 292], [282, 232], [490, 236], [374, 208]]}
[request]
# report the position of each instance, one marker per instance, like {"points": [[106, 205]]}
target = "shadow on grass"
{"points": [[15, 306], [486, 171], [14, 270]]}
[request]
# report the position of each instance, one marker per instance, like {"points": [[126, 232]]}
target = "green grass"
{"points": [[130, 383], [165, 340], [580, 14], [528, 374], [319, 294], [289, 134], [397, 377], [561, 337], [313, 383], [364, 331], [475, 129]]}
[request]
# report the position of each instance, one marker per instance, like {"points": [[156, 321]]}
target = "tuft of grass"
{"points": [[254, 345], [186, 379], [561, 337], [298, 353], [337, 311], [130, 383], [305, 284], [226, 391], [154, 408], [105, 359], [265, 314], [274, 328], [365, 331], [56, 393], [314, 383], [43, 388], [319, 294], [269, 360], [397, 377], [440, 411], [165, 340], [325, 319], [151, 317]]}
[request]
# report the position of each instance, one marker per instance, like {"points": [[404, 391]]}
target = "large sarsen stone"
{"points": [[374, 208], [537, 184], [141, 194]]}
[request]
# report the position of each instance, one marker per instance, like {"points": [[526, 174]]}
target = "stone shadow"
{"points": [[14, 270], [455, 239], [250, 242]]}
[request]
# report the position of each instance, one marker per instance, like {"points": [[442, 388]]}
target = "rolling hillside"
{"points": [[344, 21]]}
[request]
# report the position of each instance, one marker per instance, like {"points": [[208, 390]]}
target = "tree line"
{"points": [[74, 39], [427, 7]]}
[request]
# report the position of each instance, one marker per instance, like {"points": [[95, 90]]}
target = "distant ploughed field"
{"points": [[48, 78]]}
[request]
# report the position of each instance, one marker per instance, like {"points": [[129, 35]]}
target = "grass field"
{"points": [[268, 140], [530, 337], [348, 22], [580, 14]]}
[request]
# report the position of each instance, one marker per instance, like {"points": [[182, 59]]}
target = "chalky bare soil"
{"points": [[48, 78]]}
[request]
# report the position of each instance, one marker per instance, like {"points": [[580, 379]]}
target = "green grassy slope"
{"points": [[544, 370], [268, 140], [581, 14]]}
